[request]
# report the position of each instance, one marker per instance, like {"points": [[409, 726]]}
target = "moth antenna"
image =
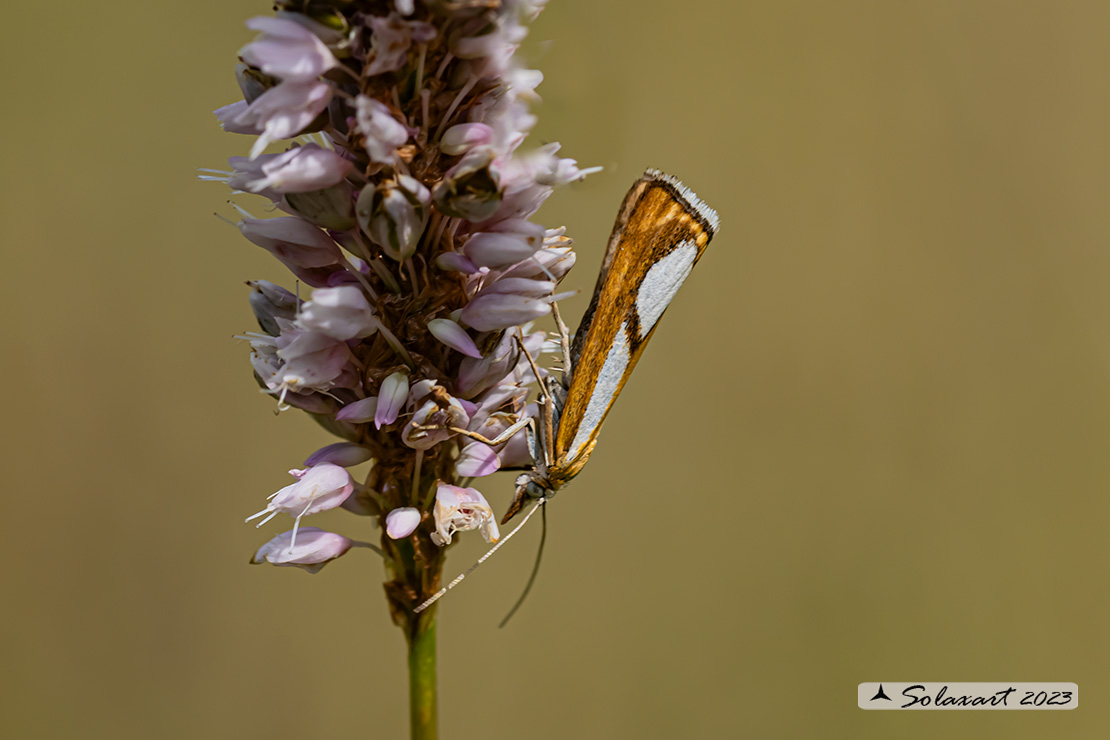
{"points": [[458, 579], [535, 570]]}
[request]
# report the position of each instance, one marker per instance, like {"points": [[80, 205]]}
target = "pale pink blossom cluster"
{"points": [[388, 136]]}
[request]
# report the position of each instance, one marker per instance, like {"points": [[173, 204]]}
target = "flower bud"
{"points": [[515, 452], [326, 20], [491, 249], [533, 233], [493, 41], [534, 343], [391, 399], [361, 502], [519, 286], [330, 208], [525, 81], [271, 302], [317, 404], [314, 549], [402, 522], [253, 82], [470, 189], [476, 460], [500, 311], [455, 262], [454, 336], [393, 214], [359, 412], [467, 406], [343, 454], [551, 262], [462, 137], [292, 240], [477, 375]]}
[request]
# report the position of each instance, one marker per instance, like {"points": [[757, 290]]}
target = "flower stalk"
{"points": [[423, 716], [389, 134]]}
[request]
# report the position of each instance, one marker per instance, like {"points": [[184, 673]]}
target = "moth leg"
{"points": [[500, 439], [546, 405], [547, 416], [519, 499], [535, 368], [564, 339]]}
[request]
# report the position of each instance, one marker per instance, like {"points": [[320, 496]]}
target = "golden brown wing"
{"points": [[660, 233]]}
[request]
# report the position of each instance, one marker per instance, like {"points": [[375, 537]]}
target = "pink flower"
{"points": [[411, 217], [287, 50], [459, 510], [341, 313], [311, 360], [302, 169], [394, 214], [283, 111], [391, 38], [319, 488], [315, 549], [438, 410], [298, 360], [231, 113], [384, 134]]}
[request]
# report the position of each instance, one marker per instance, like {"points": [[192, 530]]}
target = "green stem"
{"points": [[422, 677]]}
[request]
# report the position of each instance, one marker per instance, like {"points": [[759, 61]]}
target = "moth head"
{"points": [[530, 485]]}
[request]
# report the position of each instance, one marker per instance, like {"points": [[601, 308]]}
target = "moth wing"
{"points": [[626, 209], [661, 231]]}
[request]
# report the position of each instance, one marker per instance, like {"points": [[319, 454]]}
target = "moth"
{"points": [[660, 233]]}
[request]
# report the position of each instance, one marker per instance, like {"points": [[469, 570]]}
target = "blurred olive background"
{"points": [[869, 442]]}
